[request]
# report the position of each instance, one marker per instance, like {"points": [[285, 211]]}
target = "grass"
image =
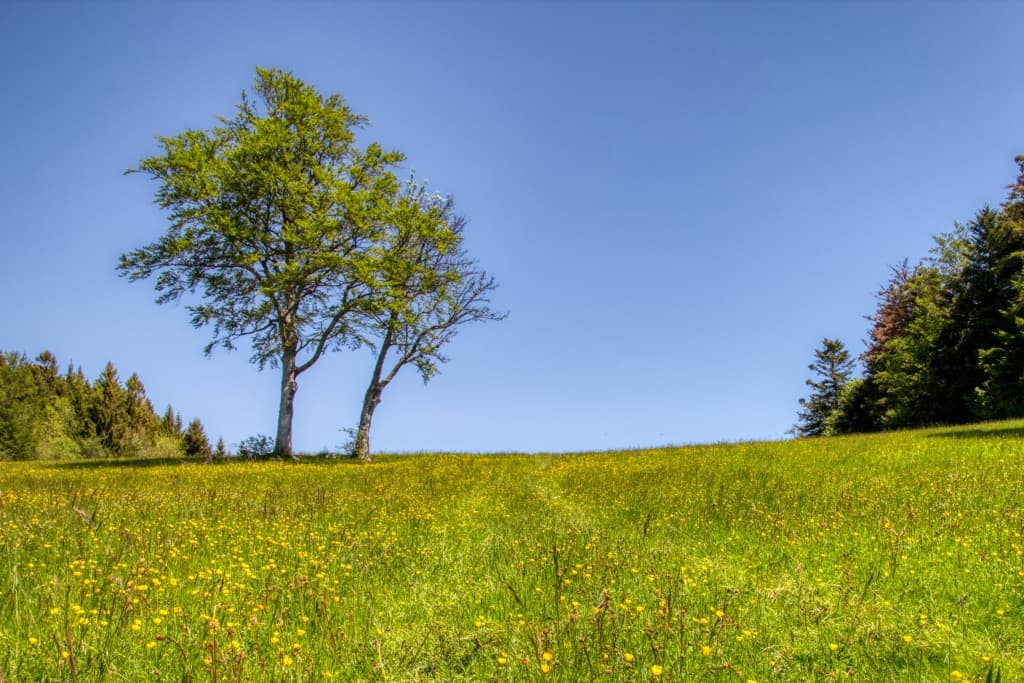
{"points": [[889, 557]]}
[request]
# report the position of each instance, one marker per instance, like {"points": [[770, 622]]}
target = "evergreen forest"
{"points": [[47, 414], [946, 341]]}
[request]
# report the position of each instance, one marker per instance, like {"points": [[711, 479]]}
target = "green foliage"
{"points": [[887, 557], [22, 406], [196, 445], [296, 238], [258, 447], [428, 288], [275, 220], [947, 339], [833, 368], [48, 416]]}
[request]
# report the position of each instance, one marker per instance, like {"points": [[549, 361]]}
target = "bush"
{"points": [[259, 447]]}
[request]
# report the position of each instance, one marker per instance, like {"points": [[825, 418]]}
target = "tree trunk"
{"points": [[362, 444], [283, 442], [361, 448]]}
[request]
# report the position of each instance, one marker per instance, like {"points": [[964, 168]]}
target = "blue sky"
{"points": [[679, 200]]}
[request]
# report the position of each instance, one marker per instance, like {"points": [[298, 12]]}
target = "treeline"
{"points": [[49, 414], [946, 342]]}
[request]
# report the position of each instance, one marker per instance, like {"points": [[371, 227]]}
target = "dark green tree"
{"points": [[1001, 361], [23, 401], [108, 411], [275, 222], [170, 423], [832, 367], [196, 445]]}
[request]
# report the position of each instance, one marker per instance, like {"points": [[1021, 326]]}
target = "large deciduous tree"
{"points": [[427, 288], [275, 222]]}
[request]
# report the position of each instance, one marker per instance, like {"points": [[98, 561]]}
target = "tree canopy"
{"points": [[273, 219], [284, 231], [832, 367], [946, 343], [46, 414], [428, 289]]}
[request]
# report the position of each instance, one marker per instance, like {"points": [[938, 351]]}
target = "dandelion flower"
{"points": [[657, 670]]}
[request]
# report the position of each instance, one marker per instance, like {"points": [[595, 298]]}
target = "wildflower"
{"points": [[548, 656], [956, 676], [545, 667], [150, 645], [628, 656], [833, 646], [706, 650], [908, 638], [657, 670]]}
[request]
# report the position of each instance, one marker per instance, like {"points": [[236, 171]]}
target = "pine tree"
{"points": [[833, 368], [109, 412], [195, 442], [221, 451], [169, 423]]}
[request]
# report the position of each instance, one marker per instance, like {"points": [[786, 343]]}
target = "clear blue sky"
{"points": [[679, 200]]}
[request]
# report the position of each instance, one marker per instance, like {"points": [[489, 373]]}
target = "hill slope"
{"points": [[885, 557]]}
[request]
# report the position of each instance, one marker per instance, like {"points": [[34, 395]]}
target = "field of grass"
{"points": [[893, 557]]}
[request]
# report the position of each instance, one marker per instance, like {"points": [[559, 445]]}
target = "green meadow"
{"points": [[895, 557]]}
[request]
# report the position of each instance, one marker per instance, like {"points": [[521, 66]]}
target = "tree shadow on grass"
{"points": [[1004, 432], [132, 463], [104, 463]]}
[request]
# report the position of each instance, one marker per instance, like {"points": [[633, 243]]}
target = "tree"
{"points": [[908, 370], [22, 407], [109, 412], [833, 368], [274, 219], [428, 288], [195, 442]]}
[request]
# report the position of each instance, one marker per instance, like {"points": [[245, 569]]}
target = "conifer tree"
{"points": [[109, 411], [196, 445], [833, 368]]}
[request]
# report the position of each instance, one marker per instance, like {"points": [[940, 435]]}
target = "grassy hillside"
{"points": [[890, 557]]}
